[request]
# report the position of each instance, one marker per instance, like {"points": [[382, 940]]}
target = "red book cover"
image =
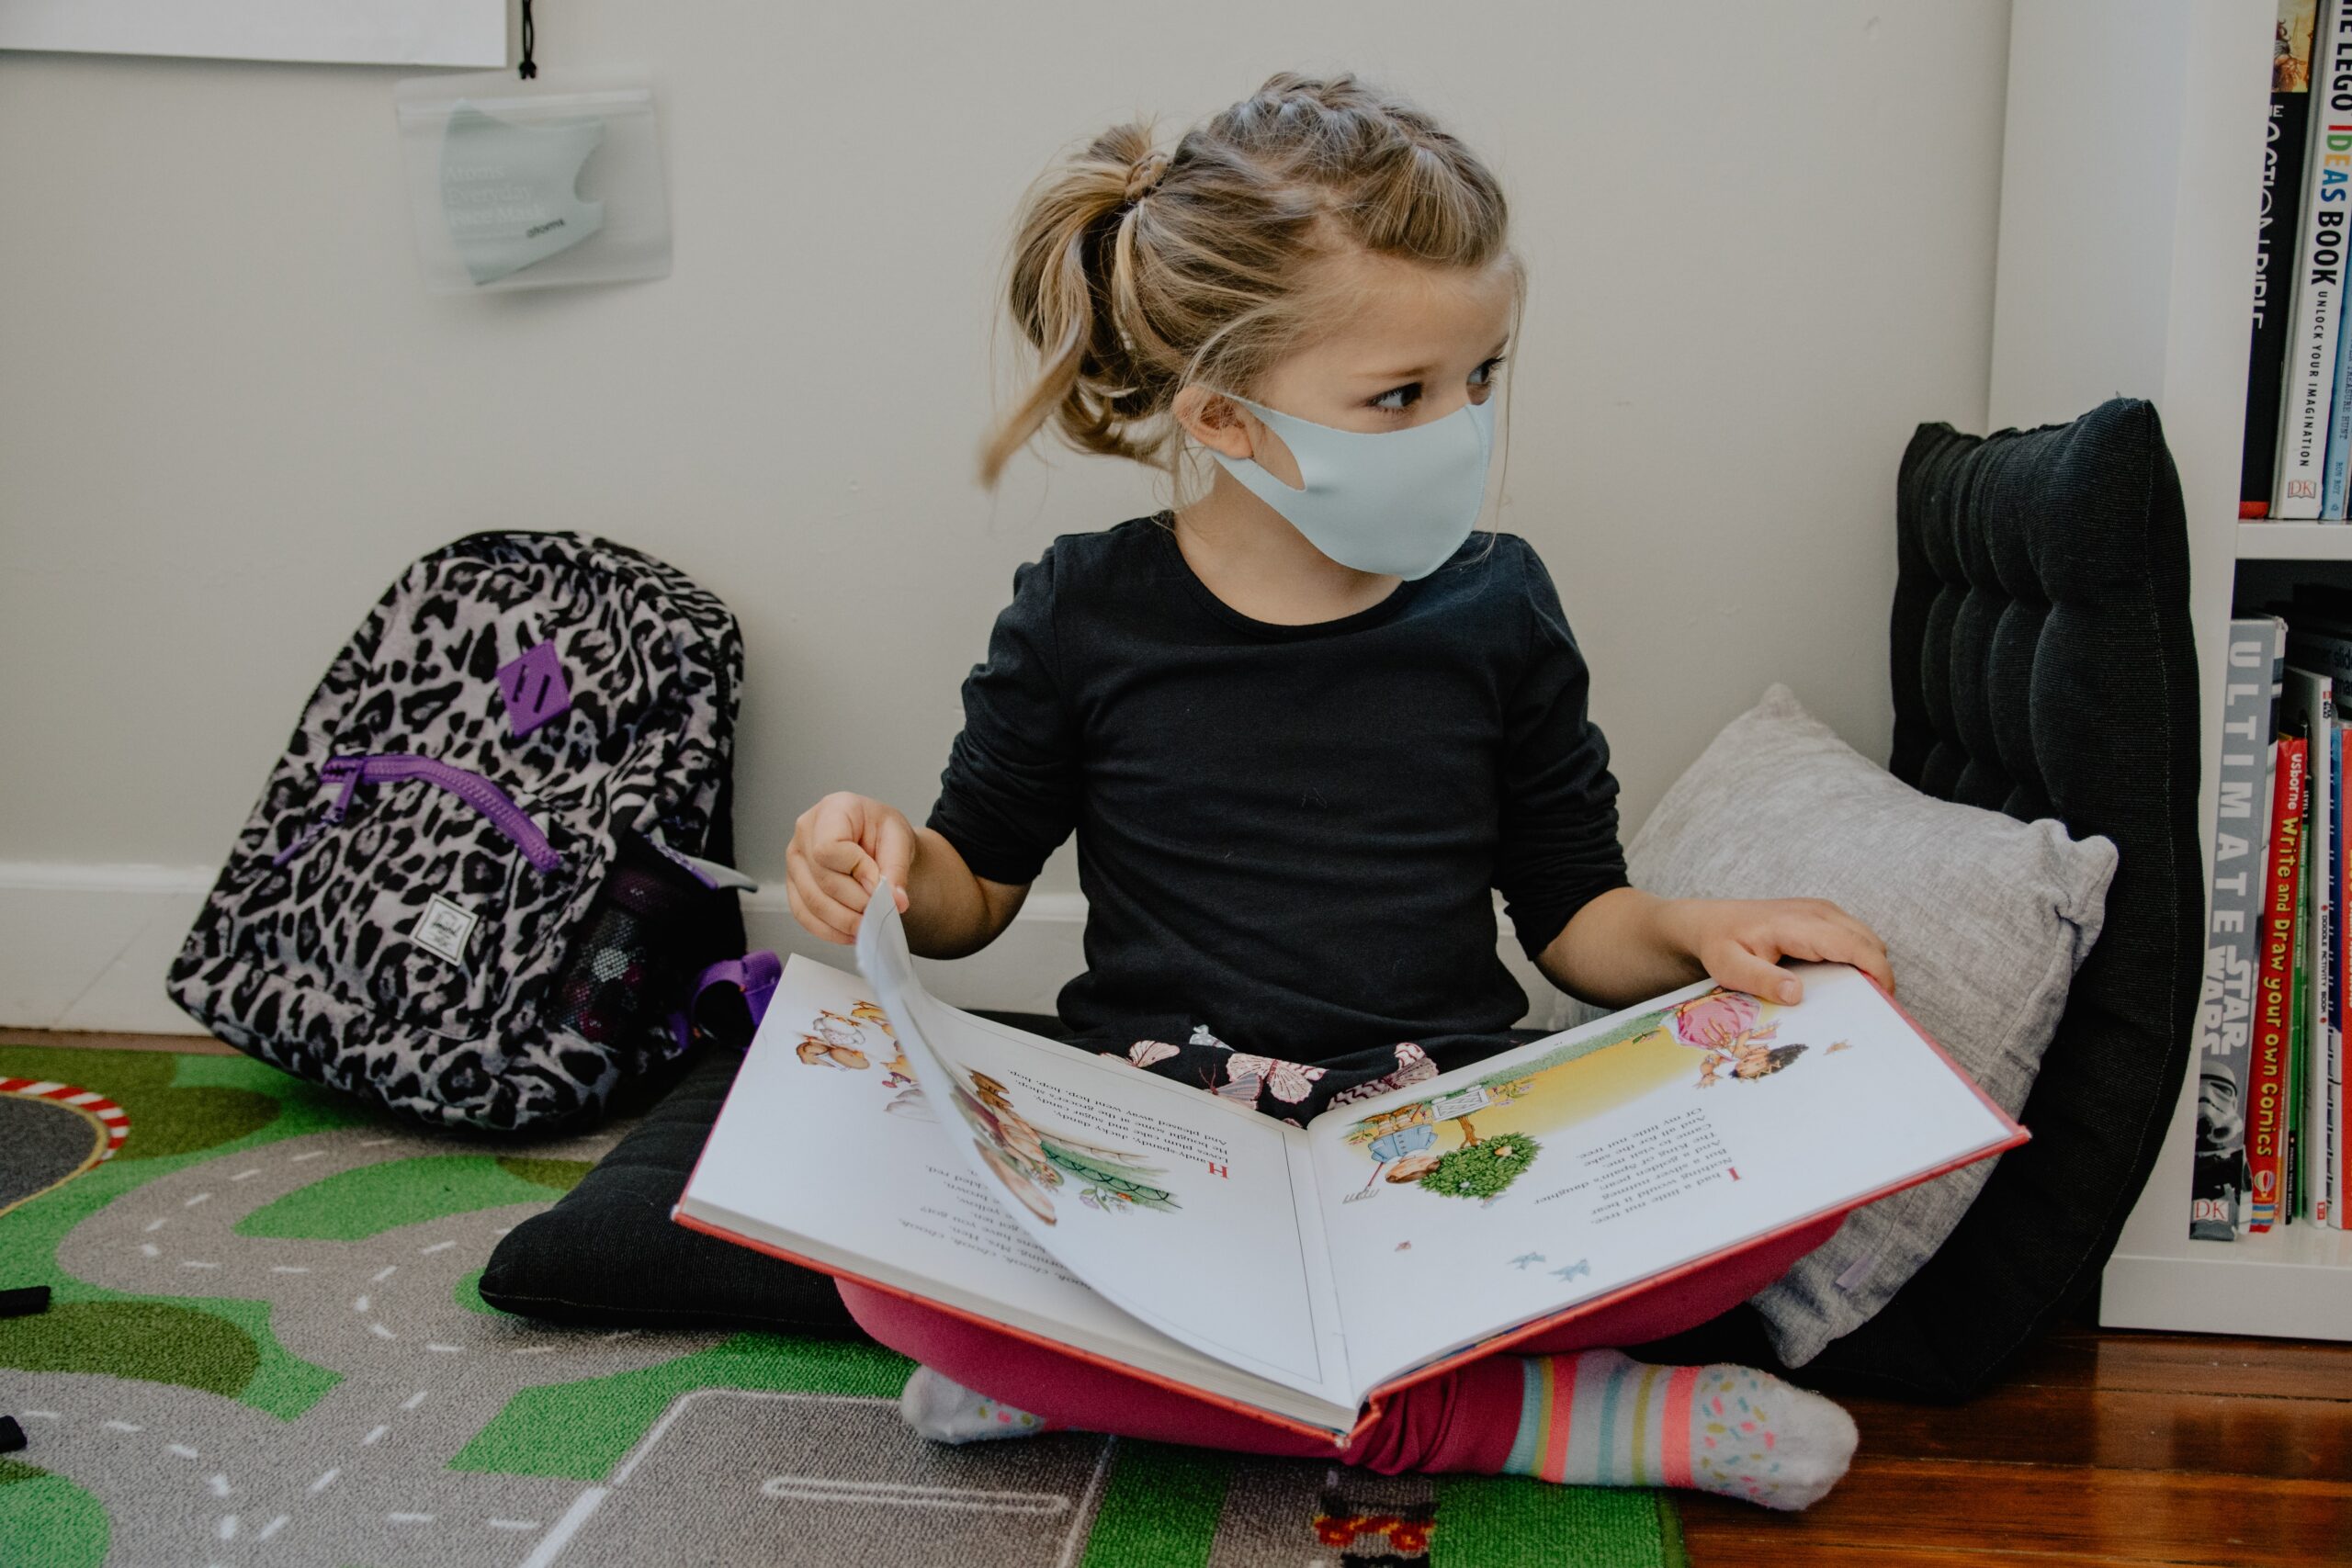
{"points": [[2274, 1008]]}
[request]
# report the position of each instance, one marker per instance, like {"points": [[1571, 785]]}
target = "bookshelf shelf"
{"points": [[2295, 541], [2122, 264]]}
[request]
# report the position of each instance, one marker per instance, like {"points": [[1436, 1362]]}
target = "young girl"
{"points": [[1302, 726]]}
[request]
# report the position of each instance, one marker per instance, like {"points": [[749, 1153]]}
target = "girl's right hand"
{"points": [[841, 848]]}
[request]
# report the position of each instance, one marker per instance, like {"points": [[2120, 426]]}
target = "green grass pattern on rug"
{"points": [[1508, 1522], [46, 1521], [353, 1205], [1156, 1506], [1159, 1508], [582, 1429]]}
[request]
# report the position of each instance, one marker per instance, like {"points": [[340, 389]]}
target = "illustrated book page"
{"points": [[1182, 1208], [1563, 1170]]}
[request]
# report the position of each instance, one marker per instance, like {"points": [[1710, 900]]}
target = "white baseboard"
{"points": [[84, 947]]}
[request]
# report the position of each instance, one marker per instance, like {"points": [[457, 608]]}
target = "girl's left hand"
{"points": [[1740, 941]]}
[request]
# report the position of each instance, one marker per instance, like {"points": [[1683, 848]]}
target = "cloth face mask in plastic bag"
{"points": [[510, 191], [533, 185], [1395, 501]]}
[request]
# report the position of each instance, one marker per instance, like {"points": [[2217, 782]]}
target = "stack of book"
{"points": [[2298, 399], [2270, 1108]]}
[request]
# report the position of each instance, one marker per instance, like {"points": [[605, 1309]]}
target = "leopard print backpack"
{"points": [[483, 880]]}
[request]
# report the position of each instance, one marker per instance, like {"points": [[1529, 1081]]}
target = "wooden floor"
{"points": [[2102, 1448]]}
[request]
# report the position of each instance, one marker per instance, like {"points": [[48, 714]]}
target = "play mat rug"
{"points": [[264, 1347]]}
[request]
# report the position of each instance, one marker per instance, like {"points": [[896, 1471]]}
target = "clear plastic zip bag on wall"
{"points": [[533, 185]]}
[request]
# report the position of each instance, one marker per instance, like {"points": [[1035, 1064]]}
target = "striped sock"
{"points": [[1601, 1418]]}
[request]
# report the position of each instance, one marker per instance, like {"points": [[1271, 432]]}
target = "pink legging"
{"points": [[1461, 1420]]}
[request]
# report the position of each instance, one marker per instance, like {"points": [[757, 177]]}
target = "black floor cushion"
{"points": [[609, 1254]]}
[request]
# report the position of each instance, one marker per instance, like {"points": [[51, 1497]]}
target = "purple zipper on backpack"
{"points": [[392, 767]]}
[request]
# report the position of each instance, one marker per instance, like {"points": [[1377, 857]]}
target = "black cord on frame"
{"points": [[530, 69]]}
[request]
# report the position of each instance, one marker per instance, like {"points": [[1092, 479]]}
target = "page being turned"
{"points": [[1182, 1209]]}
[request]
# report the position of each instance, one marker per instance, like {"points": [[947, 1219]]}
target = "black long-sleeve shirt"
{"points": [[1287, 834]]}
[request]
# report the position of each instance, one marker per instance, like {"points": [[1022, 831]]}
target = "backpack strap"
{"points": [[729, 1000]]}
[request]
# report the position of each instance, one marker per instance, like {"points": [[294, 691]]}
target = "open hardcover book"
{"points": [[1294, 1272]]}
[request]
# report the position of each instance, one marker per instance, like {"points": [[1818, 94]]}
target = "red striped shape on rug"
{"points": [[112, 1117]]}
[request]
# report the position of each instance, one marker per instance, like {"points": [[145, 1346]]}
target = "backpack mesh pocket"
{"points": [[653, 930]]}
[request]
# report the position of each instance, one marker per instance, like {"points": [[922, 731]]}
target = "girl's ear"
{"points": [[1216, 422]]}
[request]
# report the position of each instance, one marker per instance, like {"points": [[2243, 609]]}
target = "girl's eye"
{"points": [[1396, 399]]}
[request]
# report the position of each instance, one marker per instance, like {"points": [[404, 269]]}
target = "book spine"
{"points": [[2274, 1012], [2339, 433], [2310, 375], [2329, 1066], [2318, 949], [2286, 137], [2291, 1184], [2233, 951]]}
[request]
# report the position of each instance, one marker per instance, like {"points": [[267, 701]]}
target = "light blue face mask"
{"points": [[1394, 502]]}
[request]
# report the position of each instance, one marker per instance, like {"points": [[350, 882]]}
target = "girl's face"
{"points": [[1418, 343]]}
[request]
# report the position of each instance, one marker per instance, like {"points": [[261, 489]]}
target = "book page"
{"points": [[1566, 1169], [825, 1103], [1178, 1207]]}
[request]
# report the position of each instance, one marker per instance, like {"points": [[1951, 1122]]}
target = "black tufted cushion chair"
{"points": [[2044, 666]]}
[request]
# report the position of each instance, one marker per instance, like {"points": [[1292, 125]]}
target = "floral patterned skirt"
{"points": [[1297, 1092]]}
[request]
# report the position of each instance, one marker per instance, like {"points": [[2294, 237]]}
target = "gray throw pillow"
{"points": [[1985, 918]]}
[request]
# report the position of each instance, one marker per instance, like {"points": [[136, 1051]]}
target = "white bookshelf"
{"points": [[2295, 541], [2130, 172]]}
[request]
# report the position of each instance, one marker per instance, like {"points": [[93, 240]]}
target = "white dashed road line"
{"points": [[323, 1482], [565, 1527]]}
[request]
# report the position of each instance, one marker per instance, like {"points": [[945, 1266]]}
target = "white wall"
{"points": [[1760, 238]]}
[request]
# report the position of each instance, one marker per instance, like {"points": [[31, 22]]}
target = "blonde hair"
{"points": [[1135, 273]]}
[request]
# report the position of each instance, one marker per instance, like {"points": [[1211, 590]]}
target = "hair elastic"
{"points": [[1144, 176]]}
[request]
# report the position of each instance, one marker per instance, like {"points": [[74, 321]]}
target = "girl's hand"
{"points": [[841, 848], [1740, 941]]}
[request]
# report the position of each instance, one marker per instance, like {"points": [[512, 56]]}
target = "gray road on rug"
{"points": [[364, 1471]]}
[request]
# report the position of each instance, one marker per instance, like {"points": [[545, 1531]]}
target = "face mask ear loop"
{"points": [[530, 36]]}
